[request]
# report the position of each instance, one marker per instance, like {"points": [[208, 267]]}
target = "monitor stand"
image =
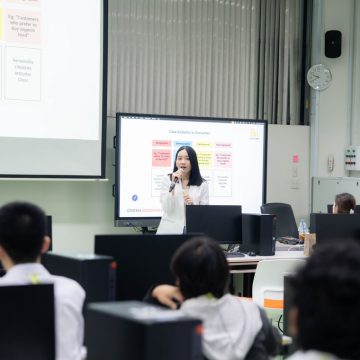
{"points": [[148, 230], [233, 248]]}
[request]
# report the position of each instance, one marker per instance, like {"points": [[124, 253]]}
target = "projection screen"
{"points": [[53, 88]]}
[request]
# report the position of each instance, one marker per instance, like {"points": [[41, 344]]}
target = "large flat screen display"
{"points": [[231, 155]]}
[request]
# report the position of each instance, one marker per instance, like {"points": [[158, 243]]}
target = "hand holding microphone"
{"points": [[176, 176], [187, 198]]}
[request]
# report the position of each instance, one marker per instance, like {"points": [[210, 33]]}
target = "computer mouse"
{"points": [[252, 253]]}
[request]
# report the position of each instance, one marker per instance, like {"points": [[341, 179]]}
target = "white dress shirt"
{"points": [[69, 300], [173, 219]]}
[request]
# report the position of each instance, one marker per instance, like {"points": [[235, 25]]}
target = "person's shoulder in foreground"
{"points": [[22, 241], [233, 328], [325, 314]]}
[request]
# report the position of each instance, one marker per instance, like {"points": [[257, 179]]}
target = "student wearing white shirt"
{"points": [[325, 317], [234, 328], [185, 186], [22, 241]]}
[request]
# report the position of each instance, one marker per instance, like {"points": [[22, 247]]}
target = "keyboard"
{"points": [[289, 240], [234, 254]]}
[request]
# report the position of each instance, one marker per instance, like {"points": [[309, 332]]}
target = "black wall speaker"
{"points": [[333, 44]]}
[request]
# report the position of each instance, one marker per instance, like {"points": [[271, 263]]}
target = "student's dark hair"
{"points": [[201, 268], [326, 293], [195, 176], [22, 231], [345, 202]]}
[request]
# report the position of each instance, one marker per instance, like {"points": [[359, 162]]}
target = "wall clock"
{"points": [[319, 77]]}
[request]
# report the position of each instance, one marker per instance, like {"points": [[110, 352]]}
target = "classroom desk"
{"points": [[247, 264]]}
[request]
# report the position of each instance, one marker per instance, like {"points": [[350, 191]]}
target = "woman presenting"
{"points": [[185, 186]]}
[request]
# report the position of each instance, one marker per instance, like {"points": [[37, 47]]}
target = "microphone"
{"points": [[173, 182]]}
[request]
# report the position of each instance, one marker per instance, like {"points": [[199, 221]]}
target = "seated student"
{"points": [[325, 318], [344, 204], [22, 241], [234, 328]]}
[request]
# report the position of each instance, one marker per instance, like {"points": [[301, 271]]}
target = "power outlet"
{"points": [[295, 184], [330, 163], [294, 172]]}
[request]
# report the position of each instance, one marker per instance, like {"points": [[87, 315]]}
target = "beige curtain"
{"points": [[218, 58]]}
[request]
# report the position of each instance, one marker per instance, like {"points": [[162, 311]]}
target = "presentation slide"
{"points": [[51, 87], [231, 157]]}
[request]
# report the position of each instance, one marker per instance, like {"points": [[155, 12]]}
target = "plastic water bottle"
{"points": [[303, 229]]}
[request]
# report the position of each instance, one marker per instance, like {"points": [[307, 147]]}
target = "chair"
{"points": [[268, 284], [285, 219]]}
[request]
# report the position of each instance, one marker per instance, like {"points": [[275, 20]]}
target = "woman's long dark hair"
{"points": [[195, 176]]}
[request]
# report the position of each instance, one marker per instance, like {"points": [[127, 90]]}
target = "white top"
{"points": [[312, 355], [173, 219], [230, 325], [69, 299]]}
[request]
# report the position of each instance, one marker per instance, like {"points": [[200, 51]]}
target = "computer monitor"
{"points": [[335, 227], [221, 222], [224, 147], [142, 260], [330, 209], [28, 323]]}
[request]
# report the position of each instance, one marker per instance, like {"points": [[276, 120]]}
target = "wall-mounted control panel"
{"points": [[352, 158]]}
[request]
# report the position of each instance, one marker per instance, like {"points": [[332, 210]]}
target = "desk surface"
{"points": [[248, 263], [292, 254]]}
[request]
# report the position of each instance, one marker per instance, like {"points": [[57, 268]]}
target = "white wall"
{"points": [[331, 108], [288, 178], [336, 122], [325, 189], [356, 79]]}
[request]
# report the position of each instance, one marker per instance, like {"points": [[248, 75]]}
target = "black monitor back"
{"points": [[285, 219], [95, 273], [132, 330], [330, 227], [258, 233], [330, 209], [142, 261], [28, 323], [221, 222]]}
